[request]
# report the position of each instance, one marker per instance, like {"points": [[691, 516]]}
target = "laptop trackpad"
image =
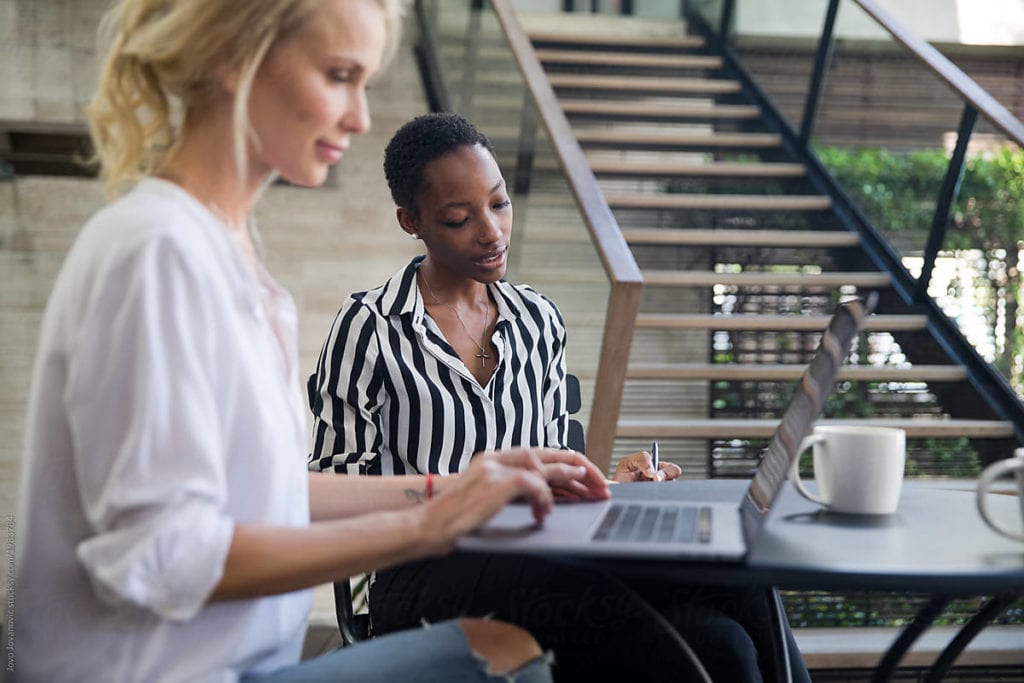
{"points": [[568, 523]]}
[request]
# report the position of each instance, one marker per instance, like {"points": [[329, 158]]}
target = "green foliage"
{"points": [[899, 190], [952, 457], [896, 190]]}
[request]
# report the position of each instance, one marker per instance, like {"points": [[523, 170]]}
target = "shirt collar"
{"points": [[400, 295]]}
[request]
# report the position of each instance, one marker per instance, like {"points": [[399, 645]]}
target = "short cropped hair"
{"points": [[420, 142]]}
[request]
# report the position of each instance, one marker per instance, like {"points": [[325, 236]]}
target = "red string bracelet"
{"points": [[430, 485]]}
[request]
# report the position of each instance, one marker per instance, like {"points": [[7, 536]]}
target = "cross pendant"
{"points": [[483, 357]]}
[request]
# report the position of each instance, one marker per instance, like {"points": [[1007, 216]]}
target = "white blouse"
{"points": [[164, 409]]}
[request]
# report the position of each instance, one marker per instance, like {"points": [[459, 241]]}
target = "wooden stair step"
{"points": [[718, 169], [707, 278], [786, 373], [624, 41], [703, 86], [701, 237], [767, 238], [704, 278], [489, 78], [625, 138], [452, 46], [730, 428], [616, 168], [660, 111], [774, 322], [735, 202], [609, 58]]}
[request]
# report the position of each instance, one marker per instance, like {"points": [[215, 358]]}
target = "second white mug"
{"points": [[1012, 466], [859, 469]]}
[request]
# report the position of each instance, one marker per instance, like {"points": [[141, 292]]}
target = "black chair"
{"points": [[355, 627], [573, 403], [352, 627]]}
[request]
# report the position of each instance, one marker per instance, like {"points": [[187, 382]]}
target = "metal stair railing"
{"points": [[990, 384]]}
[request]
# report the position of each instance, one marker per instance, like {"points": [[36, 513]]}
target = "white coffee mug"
{"points": [[1014, 466], [859, 469]]}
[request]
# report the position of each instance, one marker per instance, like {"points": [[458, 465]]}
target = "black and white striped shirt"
{"points": [[391, 396]]}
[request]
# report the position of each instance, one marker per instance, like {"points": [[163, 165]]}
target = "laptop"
{"points": [[664, 520]]}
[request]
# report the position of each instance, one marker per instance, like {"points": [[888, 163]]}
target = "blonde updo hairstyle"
{"points": [[164, 60]]}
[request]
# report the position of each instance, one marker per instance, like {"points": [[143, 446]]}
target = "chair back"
{"points": [[573, 403]]}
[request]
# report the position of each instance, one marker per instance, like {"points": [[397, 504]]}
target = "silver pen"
{"points": [[654, 459]]}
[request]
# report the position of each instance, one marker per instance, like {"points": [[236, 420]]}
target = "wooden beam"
{"points": [[787, 373], [608, 58], [683, 110], [742, 238], [759, 321], [682, 42], [915, 428], [729, 202], [614, 167], [626, 137], [701, 86], [705, 278]]}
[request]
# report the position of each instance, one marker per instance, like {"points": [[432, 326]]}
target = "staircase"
{"points": [[742, 264]]}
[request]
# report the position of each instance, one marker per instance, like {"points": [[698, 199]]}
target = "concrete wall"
{"points": [[47, 58]]}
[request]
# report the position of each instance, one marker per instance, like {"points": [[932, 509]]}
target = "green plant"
{"points": [[898, 192]]}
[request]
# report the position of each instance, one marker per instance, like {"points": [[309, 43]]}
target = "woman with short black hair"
{"points": [[446, 359]]}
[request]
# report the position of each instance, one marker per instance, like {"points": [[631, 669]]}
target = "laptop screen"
{"points": [[804, 408]]}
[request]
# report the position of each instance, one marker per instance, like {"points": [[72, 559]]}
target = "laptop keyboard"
{"points": [[632, 523]]}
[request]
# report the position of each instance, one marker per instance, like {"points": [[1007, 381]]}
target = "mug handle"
{"points": [[991, 473], [794, 470]]}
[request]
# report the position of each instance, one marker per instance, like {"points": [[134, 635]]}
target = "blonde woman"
{"points": [[167, 525]]}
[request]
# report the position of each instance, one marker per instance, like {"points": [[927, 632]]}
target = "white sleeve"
{"points": [[142, 402]]}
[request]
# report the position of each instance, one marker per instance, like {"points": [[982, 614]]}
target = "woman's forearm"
{"points": [[333, 496], [272, 560], [269, 560]]}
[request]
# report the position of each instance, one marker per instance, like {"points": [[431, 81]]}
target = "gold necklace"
{"points": [[483, 355]]}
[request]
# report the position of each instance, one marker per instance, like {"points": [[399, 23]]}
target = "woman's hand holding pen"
{"points": [[640, 467]]}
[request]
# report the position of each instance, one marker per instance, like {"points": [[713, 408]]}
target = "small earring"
{"points": [[414, 235]]}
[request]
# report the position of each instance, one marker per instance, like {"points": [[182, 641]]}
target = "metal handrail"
{"points": [[990, 384], [949, 72], [976, 100]]}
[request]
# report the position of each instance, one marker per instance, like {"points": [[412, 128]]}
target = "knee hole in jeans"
{"points": [[503, 646]]}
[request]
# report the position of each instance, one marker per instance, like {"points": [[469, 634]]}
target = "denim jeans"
{"points": [[438, 652], [595, 627]]}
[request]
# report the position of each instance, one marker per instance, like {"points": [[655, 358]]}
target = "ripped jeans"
{"points": [[438, 652]]}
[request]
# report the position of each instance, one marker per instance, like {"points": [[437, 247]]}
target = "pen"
{"points": [[654, 459]]}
